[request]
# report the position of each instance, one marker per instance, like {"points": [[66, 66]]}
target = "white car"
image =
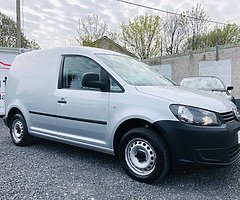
{"points": [[210, 84], [109, 102]]}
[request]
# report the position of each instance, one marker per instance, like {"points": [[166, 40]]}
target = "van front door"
{"points": [[82, 113]]}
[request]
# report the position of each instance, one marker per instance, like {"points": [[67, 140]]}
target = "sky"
{"points": [[54, 23]]}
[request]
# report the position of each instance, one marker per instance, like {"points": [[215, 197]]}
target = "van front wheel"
{"points": [[144, 155], [19, 132]]}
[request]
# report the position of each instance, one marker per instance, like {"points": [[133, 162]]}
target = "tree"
{"points": [[229, 33], [174, 28], [197, 22], [142, 35], [199, 42], [90, 30], [8, 34]]}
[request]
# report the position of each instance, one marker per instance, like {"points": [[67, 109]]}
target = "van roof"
{"points": [[75, 50]]}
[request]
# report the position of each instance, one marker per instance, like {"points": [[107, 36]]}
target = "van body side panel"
{"points": [[84, 116], [129, 105], [33, 78]]}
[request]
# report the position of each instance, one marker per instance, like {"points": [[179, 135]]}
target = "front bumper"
{"points": [[192, 145]]}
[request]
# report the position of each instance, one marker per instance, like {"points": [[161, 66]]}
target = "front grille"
{"points": [[228, 116], [233, 152]]}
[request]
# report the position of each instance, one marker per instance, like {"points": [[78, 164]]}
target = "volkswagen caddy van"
{"points": [[109, 102]]}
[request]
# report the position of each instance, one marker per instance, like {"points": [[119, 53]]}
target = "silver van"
{"points": [[109, 102]]}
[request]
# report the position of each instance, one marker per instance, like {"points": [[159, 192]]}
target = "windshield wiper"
{"points": [[218, 90]]}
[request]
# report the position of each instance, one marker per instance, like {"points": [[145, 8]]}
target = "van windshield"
{"points": [[132, 71]]}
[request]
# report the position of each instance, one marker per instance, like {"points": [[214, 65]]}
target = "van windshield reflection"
{"points": [[132, 71]]}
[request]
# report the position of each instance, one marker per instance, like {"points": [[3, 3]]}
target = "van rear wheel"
{"points": [[144, 155], [19, 132]]}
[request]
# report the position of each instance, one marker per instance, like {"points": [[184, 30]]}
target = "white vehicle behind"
{"points": [[210, 84]]}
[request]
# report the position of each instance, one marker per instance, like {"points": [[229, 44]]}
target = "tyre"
{"points": [[144, 155], [19, 132]]}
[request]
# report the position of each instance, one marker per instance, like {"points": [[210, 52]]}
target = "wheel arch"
{"points": [[129, 124], [11, 113]]}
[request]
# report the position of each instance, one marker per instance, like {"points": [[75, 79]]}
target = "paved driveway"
{"points": [[49, 170]]}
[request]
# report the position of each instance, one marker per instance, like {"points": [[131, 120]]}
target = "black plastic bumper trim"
{"points": [[192, 145], [69, 118]]}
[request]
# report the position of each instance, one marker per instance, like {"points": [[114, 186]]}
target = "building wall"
{"points": [[188, 64], [216, 68]]}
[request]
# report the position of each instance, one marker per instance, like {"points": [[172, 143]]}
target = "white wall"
{"points": [[222, 69]]}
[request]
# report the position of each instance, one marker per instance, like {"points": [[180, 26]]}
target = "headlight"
{"points": [[195, 116]]}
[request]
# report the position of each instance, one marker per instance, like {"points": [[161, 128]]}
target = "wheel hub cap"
{"points": [[140, 156], [17, 131]]}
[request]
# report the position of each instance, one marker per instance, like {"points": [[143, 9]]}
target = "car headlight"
{"points": [[195, 116]]}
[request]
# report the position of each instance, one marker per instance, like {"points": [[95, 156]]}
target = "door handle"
{"points": [[62, 100]]}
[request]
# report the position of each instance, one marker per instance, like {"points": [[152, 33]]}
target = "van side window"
{"points": [[114, 87], [73, 69]]}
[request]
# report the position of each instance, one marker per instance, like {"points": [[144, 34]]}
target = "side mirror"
{"points": [[230, 88], [92, 80]]}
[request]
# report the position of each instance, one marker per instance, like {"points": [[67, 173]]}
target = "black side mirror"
{"points": [[92, 80], [230, 88]]}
